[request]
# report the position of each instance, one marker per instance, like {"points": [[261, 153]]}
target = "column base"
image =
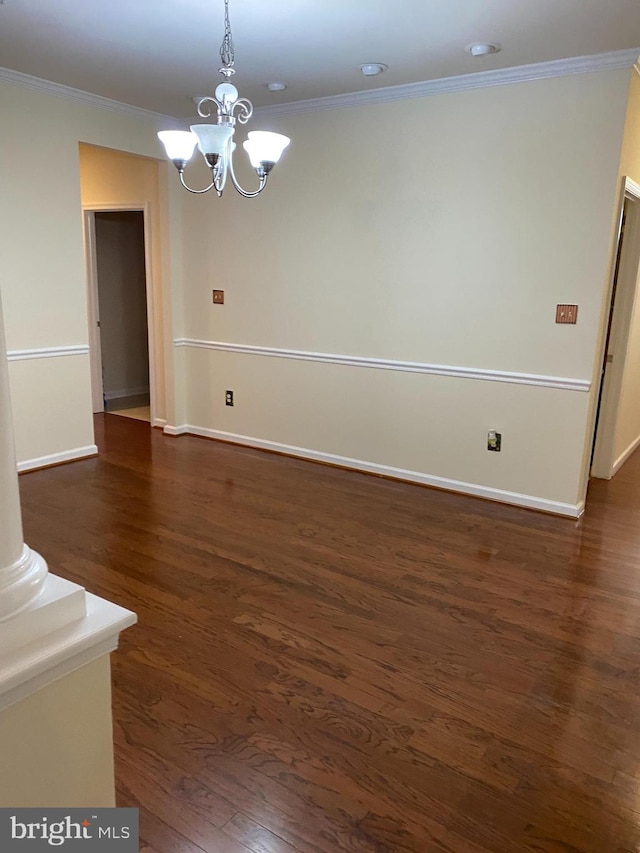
{"points": [[22, 583]]}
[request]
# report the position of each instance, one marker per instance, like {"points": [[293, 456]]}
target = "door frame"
{"points": [[622, 296], [93, 311]]}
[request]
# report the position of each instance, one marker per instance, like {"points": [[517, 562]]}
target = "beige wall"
{"points": [[42, 273], [440, 230], [51, 402], [447, 243], [57, 744]]}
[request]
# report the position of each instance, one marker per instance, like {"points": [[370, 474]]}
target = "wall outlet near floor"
{"points": [[228, 398], [494, 440]]}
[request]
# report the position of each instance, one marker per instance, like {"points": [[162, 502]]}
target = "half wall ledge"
{"points": [[64, 628]]}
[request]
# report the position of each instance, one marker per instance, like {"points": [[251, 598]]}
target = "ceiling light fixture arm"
{"points": [[226, 102], [211, 186], [262, 174]]}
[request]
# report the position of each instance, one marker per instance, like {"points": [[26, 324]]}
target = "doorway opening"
{"points": [[119, 312], [617, 421]]}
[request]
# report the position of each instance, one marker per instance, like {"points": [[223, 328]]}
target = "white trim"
{"points": [[93, 304], [529, 501], [631, 188], [115, 206], [622, 295], [561, 382], [496, 77], [463, 82], [159, 422], [93, 310], [617, 465], [48, 87], [57, 458], [168, 429], [46, 352]]}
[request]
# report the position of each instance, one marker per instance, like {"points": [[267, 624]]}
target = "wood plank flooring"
{"points": [[326, 661]]}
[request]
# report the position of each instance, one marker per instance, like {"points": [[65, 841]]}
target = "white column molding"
{"points": [[22, 571]]}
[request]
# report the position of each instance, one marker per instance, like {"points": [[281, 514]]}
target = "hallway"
{"points": [[327, 661]]}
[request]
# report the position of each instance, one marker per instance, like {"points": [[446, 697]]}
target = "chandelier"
{"points": [[215, 141]]}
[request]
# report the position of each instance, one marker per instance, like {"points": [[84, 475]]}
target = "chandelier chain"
{"points": [[226, 48]]}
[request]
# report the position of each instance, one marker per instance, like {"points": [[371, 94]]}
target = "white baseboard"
{"points": [[57, 458], [125, 392], [159, 422], [617, 465], [177, 430], [515, 498]]}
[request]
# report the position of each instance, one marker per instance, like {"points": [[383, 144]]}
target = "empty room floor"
{"points": [[137, 407], [138, 413], [327, 661]]}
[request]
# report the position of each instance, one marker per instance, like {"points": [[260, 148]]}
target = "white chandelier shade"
{"points": [[264, 147], [214, 141], [178, 144], [212, 138]]}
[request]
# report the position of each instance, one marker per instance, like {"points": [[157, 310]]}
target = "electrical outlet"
{"points": [[494, 441], [218, 297], [228, 398]]}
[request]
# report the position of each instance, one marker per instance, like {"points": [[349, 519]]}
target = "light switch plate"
{"points": [[218, 297], [567, 314]]}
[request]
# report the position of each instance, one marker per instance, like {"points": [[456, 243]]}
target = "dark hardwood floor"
{"points": [[326, 661]]}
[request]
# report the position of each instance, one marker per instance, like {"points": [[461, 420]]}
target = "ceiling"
{"points": [[156, 54]]}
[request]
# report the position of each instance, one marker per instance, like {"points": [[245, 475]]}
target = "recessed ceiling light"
{"points": [[483, 48], [276, 86], [371, 69]]}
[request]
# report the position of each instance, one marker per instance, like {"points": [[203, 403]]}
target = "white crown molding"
{"points": [[515, 498], [560, 382], [46, 352], [79, 96], [58, 458], [498, 77]]}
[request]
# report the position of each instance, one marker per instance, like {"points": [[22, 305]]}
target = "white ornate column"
{"points": [[22, 571], [55, 640]]}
